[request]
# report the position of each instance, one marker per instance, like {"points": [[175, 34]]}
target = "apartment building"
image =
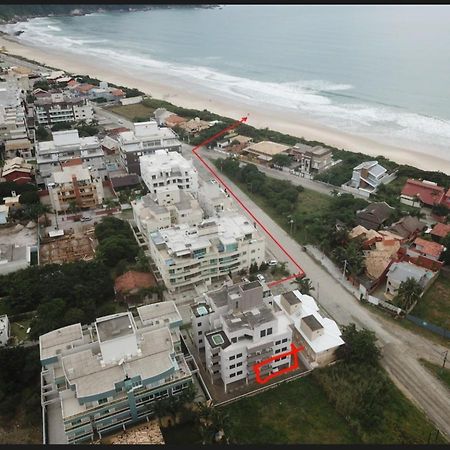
{"points": [[368, 175], [58, 108], [168, 168], [107, 376], [68, 145], [234, 329], [214, 200], [319, 335], [12, 123], [75, 184], [169, 206], [198, 255], [312, 159], [144, 139]]}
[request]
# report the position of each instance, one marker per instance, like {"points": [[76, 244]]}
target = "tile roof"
{"points": [[407, 226], [441, 230], [429, 194], [428, 247], [134, 280]]}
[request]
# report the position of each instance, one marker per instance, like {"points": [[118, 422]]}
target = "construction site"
{"points": [[68, 246]]}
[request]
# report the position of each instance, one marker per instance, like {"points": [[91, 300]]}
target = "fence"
{"points": [[429, 326]]}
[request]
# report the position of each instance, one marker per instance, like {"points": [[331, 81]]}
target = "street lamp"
{"points": [[292, 223]]}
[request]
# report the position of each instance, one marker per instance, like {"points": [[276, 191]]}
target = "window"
{"points": [[277, 342], [239, 372], [269, 331], [101, 401], [263, 333], [232, 375], [284, 340], [232, 357], [200, 333], [238, 355], [239, 364], [200, 341], [284, 349], [234, 340]]}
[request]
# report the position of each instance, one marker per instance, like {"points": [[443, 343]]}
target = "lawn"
{"points": [[131, 112], [19, 329], [442, 373], [294, 412], [434, 306]]}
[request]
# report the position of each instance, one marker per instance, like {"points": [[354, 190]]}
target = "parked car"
{"points": [[260, 277], [85, 219], [245, 280], [272, 262]]}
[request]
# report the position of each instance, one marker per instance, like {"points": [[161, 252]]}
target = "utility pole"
{"points": [[345, 268], [445, 359], [291, 222]]}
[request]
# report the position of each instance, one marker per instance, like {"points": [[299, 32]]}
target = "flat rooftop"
{"points": [[291, 298], [112, 327], [312, 323], [55, 340], [159, 313], [217, 338]]}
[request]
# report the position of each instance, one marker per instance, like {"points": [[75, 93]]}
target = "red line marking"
{"points": [[294, 352], [301, 272]]}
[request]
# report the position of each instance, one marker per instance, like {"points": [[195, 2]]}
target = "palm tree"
{"points": [[408, 293], [73, 207], [305, 285]]}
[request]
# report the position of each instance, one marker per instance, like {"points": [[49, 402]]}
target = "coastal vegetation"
{"points": [[440, 372]]}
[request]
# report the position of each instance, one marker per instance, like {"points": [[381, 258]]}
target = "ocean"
{"points": [[378, 71]]}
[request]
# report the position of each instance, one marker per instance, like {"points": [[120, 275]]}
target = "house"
{"points": [[160, 115], [368, 175], [104, 377], [426, 249], [131, 282], [234, 328], [421, 193], [168, 168], [18, 171], [407, 227], [13, 201], [174, 120], [235, 139], [374, 215], [125, 181], [18, 147], [265, 150], [75, 184], [5, 330], [400, 272], [312, 159], [440, 231], [14, 257], [225, 244], [144, 139], [194, 126]]}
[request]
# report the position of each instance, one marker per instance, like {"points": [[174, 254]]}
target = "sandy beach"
{"points": [[258, 117]]}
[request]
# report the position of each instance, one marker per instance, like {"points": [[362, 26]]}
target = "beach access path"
{"points": [[401, 348]]}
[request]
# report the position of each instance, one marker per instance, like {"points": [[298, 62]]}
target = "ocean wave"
{"points": [[53, 28]]}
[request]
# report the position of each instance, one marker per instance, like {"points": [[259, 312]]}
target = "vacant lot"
{"points": [[434, 306], [132, 112]]}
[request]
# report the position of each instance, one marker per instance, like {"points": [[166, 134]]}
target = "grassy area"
{"points": [[411, 326], [442, 373], [19, 329], [186, 433], [295, 412], [131, 112], [434, 306]]}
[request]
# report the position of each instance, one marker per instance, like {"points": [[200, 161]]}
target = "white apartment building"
{"points": [[104, 377], [5, 330], [12, 123], [144, 139], [68, 145], [196, 256], [319, 335], [75, 184], [169, 206], [235, 328], [214, 200], [167, 168], [59, 108]]}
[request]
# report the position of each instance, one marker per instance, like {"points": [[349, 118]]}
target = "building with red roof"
{"points": [[440, 231], [130, 283], [425, 254], [422, 193]]}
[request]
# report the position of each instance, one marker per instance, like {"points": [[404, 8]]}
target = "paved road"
{"points": [[401, 348], [107, 117], [281, 175]]}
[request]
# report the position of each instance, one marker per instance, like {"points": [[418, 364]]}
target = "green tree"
{"points": [[42, 134], [360, 346], [263, 267], [116, 248], [60, 126], [305, 285], [73, 207], [282, 159], [408, 293]]}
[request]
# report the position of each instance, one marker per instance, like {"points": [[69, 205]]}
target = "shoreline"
{"points": [[257, 116]]}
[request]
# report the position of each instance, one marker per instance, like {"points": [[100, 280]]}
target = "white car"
{"points": [[272, 262], [245, 280], [85, 219], [260, 277], [213, 181]]}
